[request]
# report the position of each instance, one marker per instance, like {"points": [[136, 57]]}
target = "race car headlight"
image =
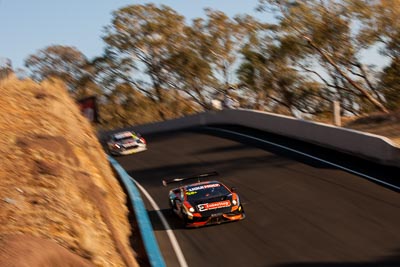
{"points": [[191, 209], [117, 146], [234, 202]]}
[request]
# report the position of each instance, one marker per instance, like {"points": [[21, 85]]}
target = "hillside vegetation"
{"points": [[57, 188], [387, 125], [60, 202]]}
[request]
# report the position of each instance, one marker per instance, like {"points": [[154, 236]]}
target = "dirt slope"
{"points": [[58, 195], [387, 125]]}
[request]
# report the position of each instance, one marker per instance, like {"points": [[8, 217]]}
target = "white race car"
{"points": [[124, 143]]}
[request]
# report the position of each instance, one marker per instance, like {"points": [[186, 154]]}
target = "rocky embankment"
{"points": [[60, 204]]}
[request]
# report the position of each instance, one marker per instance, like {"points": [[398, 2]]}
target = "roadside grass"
{"points": [[387, 125]]}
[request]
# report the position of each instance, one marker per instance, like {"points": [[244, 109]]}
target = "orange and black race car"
{"points": [[204, 203]]}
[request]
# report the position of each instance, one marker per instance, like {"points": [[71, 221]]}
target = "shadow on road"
{"points": [[390, 261]]}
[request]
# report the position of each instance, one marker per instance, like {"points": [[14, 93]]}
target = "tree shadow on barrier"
{"points": [[319, 154], [225, 167], [243, 145], [280, 157], [226, 149], [228, 169]]}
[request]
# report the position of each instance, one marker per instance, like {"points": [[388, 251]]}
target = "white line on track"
{"points": [[310, 156], [170, 233]]}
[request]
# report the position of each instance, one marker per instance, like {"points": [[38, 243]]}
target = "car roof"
{"points": [[123, 134]]}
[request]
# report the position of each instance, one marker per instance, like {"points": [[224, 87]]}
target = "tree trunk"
{"points": [[375, 102]]}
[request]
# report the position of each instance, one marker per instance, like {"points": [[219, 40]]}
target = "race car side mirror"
{"points": [[233, 189]]}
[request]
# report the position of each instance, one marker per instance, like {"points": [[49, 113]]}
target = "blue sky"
{"points": [[29, 25]]}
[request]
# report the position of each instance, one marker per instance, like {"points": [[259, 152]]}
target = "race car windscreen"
{"points": [[205, 191], [124, 138]]}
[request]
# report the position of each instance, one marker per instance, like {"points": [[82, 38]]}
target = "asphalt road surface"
{"points": [[300, 211]]}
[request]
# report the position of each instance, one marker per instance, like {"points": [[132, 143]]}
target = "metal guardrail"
{"points": [[142, 218]]}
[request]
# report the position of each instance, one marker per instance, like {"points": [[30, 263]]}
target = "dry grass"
{"points": [[55, 181], [387, 125]]}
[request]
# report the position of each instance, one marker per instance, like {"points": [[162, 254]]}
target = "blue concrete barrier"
{"points": [[142, 218]]}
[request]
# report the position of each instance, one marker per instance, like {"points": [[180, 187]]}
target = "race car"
{"points": [[204, 203], [124, 143]]}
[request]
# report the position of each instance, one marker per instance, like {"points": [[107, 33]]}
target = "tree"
{"points": [[380, 22], [204, 64], [253, 73], [111, 70], [225, 39], [380, 26], [390, 84], [323, 32], [148, 35], [64, 62], [268, 71], [125, 106], [5, 68], [191, 67], [279, 87]]}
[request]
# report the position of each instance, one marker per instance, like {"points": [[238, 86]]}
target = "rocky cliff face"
{"points": [[56, 186]]}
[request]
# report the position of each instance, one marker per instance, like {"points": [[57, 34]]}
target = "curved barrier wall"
{"points": [[142, 219], [369, 146], [373, 147]]}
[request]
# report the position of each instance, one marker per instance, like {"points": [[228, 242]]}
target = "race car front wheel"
{"points": [[184, 219]]}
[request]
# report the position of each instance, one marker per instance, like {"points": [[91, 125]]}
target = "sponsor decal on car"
{"points": [[214, 205], [200, 187], [129, 142]]}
